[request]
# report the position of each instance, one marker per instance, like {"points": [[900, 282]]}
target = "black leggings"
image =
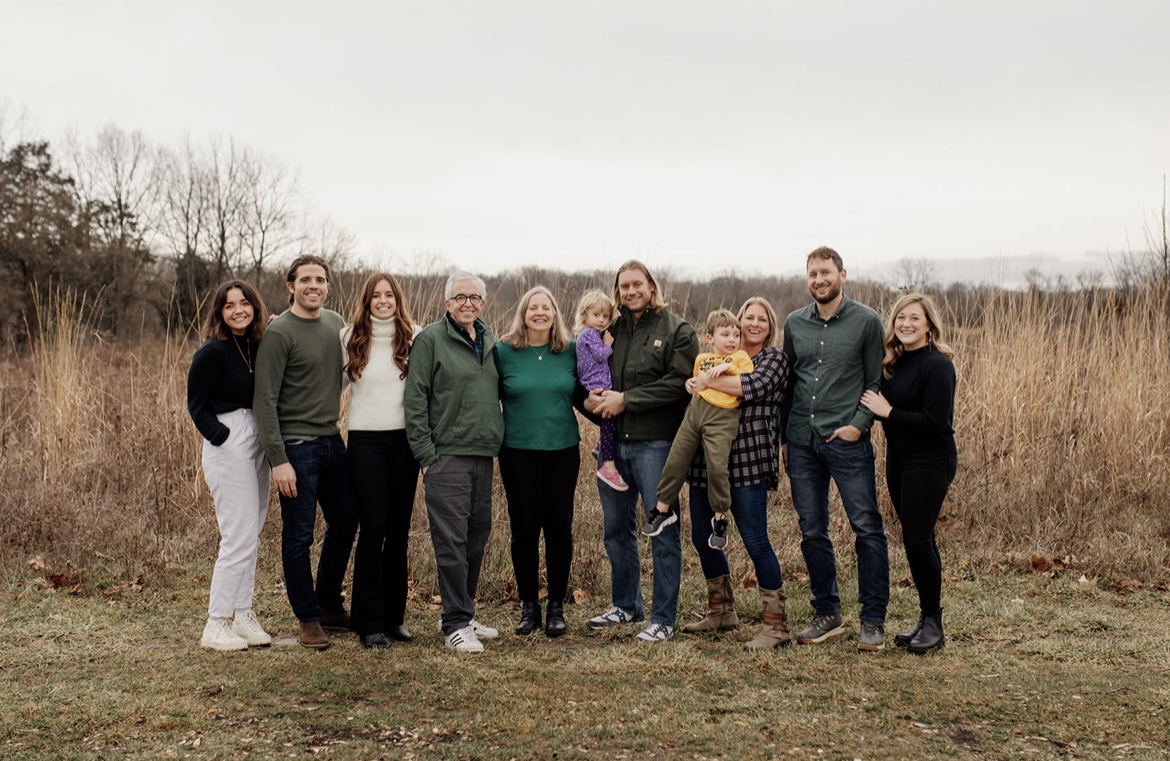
{"points": [[540, 487], [918, 480], [384, 476]]}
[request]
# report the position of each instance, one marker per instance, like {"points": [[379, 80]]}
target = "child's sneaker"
{"points": [[612, 479], [718, 538], [658, 522]]}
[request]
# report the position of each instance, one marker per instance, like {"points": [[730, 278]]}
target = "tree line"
{"points": [[140, 233]]}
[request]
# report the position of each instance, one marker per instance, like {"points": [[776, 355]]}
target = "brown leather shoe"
{"points": [[312, 635]]}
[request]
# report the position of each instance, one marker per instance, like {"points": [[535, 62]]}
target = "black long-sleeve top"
{"points": [[922, 394], [220, 380]]}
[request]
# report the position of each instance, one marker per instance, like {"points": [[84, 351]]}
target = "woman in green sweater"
{"points": [[540, 459]]}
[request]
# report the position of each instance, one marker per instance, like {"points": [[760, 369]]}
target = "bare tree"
{"points": [[273, 210], [914, 274], [114, 182]]}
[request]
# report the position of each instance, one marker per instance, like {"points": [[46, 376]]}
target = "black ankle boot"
{"points": [[930, 637], [555, 626], [903, 639], [529, 618]]}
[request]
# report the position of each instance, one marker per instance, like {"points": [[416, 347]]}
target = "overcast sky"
{"points": [[694, 135]]}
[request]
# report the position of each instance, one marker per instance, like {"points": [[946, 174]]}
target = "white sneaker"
{"points": [[656, 633], [464, 640], [218, 635], [247, 627], [482, 631]]}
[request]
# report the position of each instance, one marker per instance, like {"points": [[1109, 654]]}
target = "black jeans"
{"points": [[539, 487], [383, 475], [918, 480]]}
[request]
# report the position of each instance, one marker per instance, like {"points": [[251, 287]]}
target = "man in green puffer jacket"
{"points": [[455, 428]]}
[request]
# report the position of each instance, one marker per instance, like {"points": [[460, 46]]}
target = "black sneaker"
{"points": [[660, 521], [718, 538]]}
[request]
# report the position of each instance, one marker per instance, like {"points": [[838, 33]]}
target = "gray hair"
{"points": [[449, 289]]}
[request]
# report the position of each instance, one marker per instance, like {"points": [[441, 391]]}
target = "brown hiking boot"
{"points": [[312, 636], [721, 608], [774, 633]]}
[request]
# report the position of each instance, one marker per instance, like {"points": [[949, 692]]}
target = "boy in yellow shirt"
{"points": [[712, 421]]}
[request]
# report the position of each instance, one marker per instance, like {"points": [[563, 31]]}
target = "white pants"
{"points": [[237, 474]]}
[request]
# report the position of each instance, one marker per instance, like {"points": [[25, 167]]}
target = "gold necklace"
{"points": [[246, 357]]}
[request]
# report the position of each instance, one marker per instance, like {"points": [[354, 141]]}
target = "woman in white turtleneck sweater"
{"points": [[383, 471]]}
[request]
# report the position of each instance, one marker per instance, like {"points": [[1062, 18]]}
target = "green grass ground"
{"points": [[1035, 668]]}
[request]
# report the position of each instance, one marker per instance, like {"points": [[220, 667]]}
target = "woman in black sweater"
{"points": [[219, 398], [917, 408]]}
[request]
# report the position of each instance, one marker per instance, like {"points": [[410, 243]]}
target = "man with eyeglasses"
{"points": [[455, 428]]}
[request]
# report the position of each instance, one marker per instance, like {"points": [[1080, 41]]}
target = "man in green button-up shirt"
{"points": [[835, 350]]}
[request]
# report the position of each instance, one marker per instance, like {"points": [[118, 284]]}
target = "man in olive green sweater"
{"points": [[297, 404], [455, 428]]}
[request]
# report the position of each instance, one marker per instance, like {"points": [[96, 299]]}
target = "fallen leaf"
{"points": [[749, 580], [61, 580], [1038, 563], [37, 564], [581, 596], [1129, 584]]}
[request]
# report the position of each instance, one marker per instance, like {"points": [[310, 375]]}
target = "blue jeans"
{"points": [[749, 509], [321, 477], [640, 463], [850, 465]]}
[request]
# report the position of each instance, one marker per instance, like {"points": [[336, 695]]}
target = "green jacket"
{"points": [[452, 399], [651, 362]]}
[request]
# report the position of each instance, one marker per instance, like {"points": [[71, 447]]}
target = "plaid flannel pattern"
{"points": [[755, 453]]}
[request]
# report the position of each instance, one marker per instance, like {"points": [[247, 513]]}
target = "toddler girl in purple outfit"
{"points": [[594, 347]]}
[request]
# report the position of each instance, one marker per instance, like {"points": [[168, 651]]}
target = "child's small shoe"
{"points": [[612, 479], [718, 538], [657, 522]]}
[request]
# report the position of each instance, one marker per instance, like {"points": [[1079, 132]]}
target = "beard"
{"points": [[833, 292]]}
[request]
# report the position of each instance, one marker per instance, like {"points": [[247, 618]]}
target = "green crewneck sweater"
{"points": [[298, 381], [536, 388]]}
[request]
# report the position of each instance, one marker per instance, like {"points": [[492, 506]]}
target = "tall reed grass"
{"points": [[1061, 421]]}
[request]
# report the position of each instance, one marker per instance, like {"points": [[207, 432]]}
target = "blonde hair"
{"points": [[591, 300], [773, 338], [517, 335], [934, 333], [656, 301]]}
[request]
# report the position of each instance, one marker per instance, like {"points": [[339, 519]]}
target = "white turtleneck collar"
{"points": [[383, 328]]}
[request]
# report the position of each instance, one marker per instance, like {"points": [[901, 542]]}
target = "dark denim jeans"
{"points": [[749, 510], [640, 463], [321, 477], [850, 464]]}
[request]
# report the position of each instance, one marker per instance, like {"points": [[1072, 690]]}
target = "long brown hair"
{"points": [[215, 327], [358, 344], [558, 334], [934, 334]]}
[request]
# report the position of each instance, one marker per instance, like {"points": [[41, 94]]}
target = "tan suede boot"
{"points": [[721, 608], [774, 633]]}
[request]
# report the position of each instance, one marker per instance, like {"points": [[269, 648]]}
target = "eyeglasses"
{"points": [[460, 298]]}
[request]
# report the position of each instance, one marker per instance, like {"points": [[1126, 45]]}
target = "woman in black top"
{"points": [[219, 398], [917, 408]]}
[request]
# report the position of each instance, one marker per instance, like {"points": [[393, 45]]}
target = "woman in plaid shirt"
{"points": [[755, 470]]}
